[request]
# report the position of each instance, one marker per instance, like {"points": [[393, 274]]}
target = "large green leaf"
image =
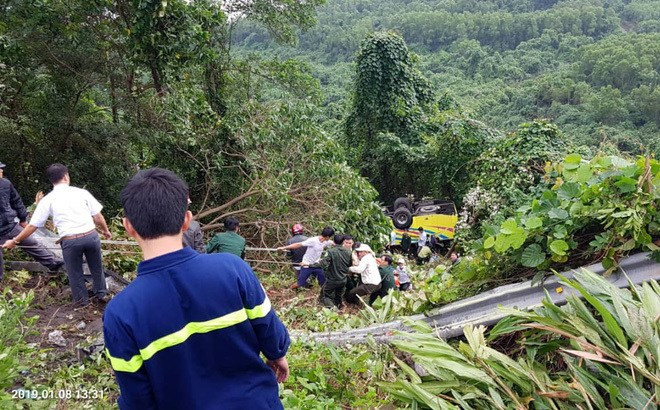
{"points": [[557, 213], [568, 191], [559, 247], [509, 227], [533, 256], [533, 222], [608, 319]]}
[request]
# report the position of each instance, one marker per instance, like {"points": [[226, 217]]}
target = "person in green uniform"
{"points": [[386, 271], [335, 264], [406, 242], [229, 241]]}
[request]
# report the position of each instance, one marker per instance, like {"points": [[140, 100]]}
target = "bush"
{"points": [[602, 354], [13, 328]]}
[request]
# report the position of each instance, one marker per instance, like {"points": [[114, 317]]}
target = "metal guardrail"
{"points": [[483, 309]]}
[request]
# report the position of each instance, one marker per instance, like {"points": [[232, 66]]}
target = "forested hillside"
{"points": [[589, 66]]}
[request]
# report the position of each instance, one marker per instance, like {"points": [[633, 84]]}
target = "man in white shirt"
{"points": [[421, 242], [368, 270], [75, 213], [309, 265], [392, 245]]}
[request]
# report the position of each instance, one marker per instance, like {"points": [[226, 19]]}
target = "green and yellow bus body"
{"points": [[442, 226]]}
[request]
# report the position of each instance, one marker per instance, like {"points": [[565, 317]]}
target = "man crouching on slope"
{"points": [[187, 332]]}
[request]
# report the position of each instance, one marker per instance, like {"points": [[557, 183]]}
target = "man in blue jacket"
{"points": [[13, 218], [187, 333]]}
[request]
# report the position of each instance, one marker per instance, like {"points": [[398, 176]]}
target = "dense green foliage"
{"points": [[111, 87], [598, 354], [591, 67], [560, 215], [12, 340], [278, 135]]}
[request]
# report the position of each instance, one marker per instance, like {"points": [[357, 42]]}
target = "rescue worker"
{"points": [[193, 236], [369, 275], [75, 213], [351, 281], [13, 218], [386, 271], [402, 275], [422, 240], [309, 265], [296, 255], [335, 264], [188, 332], [424, 255], [406, 243], [229, 241]]}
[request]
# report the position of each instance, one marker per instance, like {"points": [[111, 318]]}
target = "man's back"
{"points": [[387, 277], [340, 259], [227, 242], [194, 238], [11, 206], [71, 208], [405, 243], [188, 331], [296, 255]]}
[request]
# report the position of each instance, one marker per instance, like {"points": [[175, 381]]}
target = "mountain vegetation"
{"points": [[589, 66]]}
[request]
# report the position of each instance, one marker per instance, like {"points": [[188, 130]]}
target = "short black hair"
{"points": [[56, 173], [231, 224], [327, 232], [388, 259], [155, 201], [338, 239], [347, 238], [420, 229], [356, 245]]}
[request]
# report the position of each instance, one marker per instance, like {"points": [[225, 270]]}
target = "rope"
{"points": [[127, 243], [249, 248], [269, 261], [58, 248]]}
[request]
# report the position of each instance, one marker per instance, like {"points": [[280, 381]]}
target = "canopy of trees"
{"points": [[591, 67], [111, 87]]}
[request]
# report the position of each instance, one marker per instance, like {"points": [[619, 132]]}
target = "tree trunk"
{"points": [[113, 100], [215, 83], [157, 77]]}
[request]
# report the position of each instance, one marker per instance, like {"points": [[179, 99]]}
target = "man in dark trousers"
{"points": [[406, 243], [335, 264], [188, 332], [315, 246], [228, 241], [296, 255], [13, 216], [193, 236], [75, 213], [387, 282]]}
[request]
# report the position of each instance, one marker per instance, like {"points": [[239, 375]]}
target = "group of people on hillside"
{"points": [[75, 213], [190, 330], [344, 269], [422, 250]]}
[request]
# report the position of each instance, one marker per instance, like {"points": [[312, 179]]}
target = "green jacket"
{"points": [[405, 243], [227, 242], [335, 263], [387, 277]]}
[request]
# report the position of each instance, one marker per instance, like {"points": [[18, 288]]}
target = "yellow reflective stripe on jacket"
{"points": [[180, 336], [259, 311], [190, 329], [122, 365]]}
